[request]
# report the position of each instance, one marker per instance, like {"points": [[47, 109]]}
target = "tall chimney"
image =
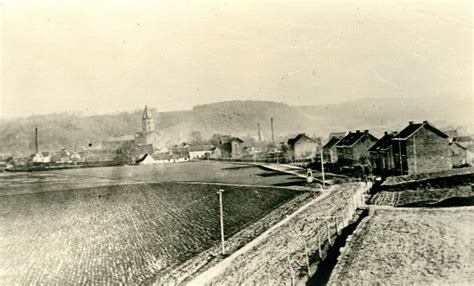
{"points": [[36, 139], [273, 136], [259, 133]]}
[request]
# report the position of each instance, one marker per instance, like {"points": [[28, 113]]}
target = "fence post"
{"points": [[329, 231], [319, 247]]}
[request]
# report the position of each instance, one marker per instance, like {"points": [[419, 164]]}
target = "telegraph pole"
{"points": [[322, 167], [414, 152], [222, 220]]}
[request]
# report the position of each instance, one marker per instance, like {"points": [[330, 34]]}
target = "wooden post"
{"points": [[268, 275], [337, 227], [222, 220], [306, 253], [289, 263], [319, 247], [329, 231], [322, 167]]}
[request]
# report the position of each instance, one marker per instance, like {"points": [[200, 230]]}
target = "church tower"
{"points": [[148, 134], [148, 125]]}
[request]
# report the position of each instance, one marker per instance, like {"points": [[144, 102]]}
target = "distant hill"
{"points": [[238, 118]]}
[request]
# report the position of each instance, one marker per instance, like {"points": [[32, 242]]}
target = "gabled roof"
{"points": [[352, 138], [412, 128], [383, 143], [146, 113], [298, 137], [228, 139], [332, 142]]}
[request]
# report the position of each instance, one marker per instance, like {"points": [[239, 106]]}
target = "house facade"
{"points": [[421, 148], [381, 155], [200, 151], [230, 147], [330, 151], [353, 149], [303, 147], [460, 156]]}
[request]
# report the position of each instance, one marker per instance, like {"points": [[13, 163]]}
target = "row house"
{"points": [[353, 149], [226, 147], [418, 148], [303, 147]]}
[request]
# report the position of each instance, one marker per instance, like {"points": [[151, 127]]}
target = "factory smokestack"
{"points": [[36, 140], [259, 133], [273, 135]]}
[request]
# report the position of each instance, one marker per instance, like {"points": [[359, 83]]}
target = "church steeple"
{"points": [[146, 114], [148, 125]]}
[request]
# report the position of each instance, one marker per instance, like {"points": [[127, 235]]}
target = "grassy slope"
{"points": [[409, 246]]}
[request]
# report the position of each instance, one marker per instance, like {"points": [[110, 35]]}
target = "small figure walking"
{"points": [[309, 175]]}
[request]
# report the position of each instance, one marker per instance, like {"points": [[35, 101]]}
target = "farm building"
{"points": [[216, 153], [302, 147], [421, 148], [200, 151], [230, 147], [180, 153], [353, 149], [460, 156], [41, 157], [329, 150], [381, 155]]}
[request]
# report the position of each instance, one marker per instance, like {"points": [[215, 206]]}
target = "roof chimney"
{"points": [[425, 121], [366, 131], [410, 122], [357, 131], [385, 133]]}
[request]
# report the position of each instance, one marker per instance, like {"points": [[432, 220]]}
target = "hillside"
{"points": [[233, 117]]}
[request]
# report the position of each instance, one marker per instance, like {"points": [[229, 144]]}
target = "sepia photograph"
{"points": [[236, 142]]}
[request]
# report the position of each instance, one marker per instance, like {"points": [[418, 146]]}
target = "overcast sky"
{"points": [[100, 58]]}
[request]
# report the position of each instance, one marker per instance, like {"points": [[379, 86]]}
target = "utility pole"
{"points": [[322, 167], [414, 153], [222, 220], [400, 156], [273, 135]]}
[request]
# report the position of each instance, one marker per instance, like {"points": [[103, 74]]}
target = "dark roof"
{"points": [[292, 141], [227, 139], [414, 127], [332, 142], [236, 139], [352, 138], [383, 143]]}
